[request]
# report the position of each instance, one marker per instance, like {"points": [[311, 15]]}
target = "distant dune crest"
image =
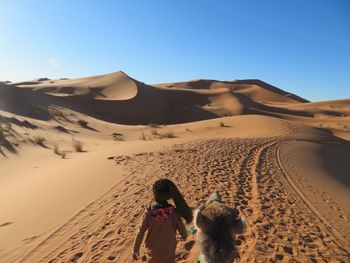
{"points": [[118, 98]]}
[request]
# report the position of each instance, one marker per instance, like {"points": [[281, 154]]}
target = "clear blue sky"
{"points": [[300, 46]]}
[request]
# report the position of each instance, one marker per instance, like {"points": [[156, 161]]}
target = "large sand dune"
{"points": [[78, 158]]}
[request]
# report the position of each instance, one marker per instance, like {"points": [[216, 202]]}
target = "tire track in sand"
{"points": [[286, 229], [249, 171], [245, 172], [337, 236]]}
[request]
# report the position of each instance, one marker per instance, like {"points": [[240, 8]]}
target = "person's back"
{"points": [[161, 221]]}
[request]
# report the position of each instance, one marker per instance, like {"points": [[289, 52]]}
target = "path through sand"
{"points": [[247, 174]]}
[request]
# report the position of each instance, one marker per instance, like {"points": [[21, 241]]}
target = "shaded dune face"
{"points": [[114, 86], [117, 98], [120, 99], [253, 88]]}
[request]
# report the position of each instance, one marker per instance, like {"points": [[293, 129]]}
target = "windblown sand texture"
{"points": [[78, 158]]}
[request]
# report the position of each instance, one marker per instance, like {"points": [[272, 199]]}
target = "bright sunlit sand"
{"points": [[77, 158], [243, 103]]}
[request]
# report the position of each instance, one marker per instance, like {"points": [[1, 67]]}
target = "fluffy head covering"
{"points": [[164, 189]]}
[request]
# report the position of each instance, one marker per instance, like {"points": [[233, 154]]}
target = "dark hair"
{"points": [[164, 189]]}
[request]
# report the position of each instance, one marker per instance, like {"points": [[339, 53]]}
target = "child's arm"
{"points": [[139, 236], [181, 227]]}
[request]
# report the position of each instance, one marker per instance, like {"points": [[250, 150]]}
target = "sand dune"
{"points": [[326, 166], [256, 89], [115, 98], [114, 86], [119, 98], [272, 154]]}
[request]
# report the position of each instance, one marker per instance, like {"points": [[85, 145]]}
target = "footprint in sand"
{"points": [[111, 258], [109, 234], [6, 224], [76, 257]]}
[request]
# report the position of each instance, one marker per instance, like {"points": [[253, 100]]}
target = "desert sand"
{"points": [[78, 158]]}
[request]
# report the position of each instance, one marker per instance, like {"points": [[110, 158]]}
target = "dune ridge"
{"points": [[118, 98]]}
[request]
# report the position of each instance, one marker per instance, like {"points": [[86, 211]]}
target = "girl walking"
{"points": [[161, 220]]}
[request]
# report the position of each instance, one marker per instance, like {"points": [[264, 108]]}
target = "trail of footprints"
{"points": [[243, 171]]}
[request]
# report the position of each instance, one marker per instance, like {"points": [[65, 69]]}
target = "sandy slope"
{"points": [[118, 98], [113, 86], [321, 171], [256, 89], [287, 174], [245, 171]]}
